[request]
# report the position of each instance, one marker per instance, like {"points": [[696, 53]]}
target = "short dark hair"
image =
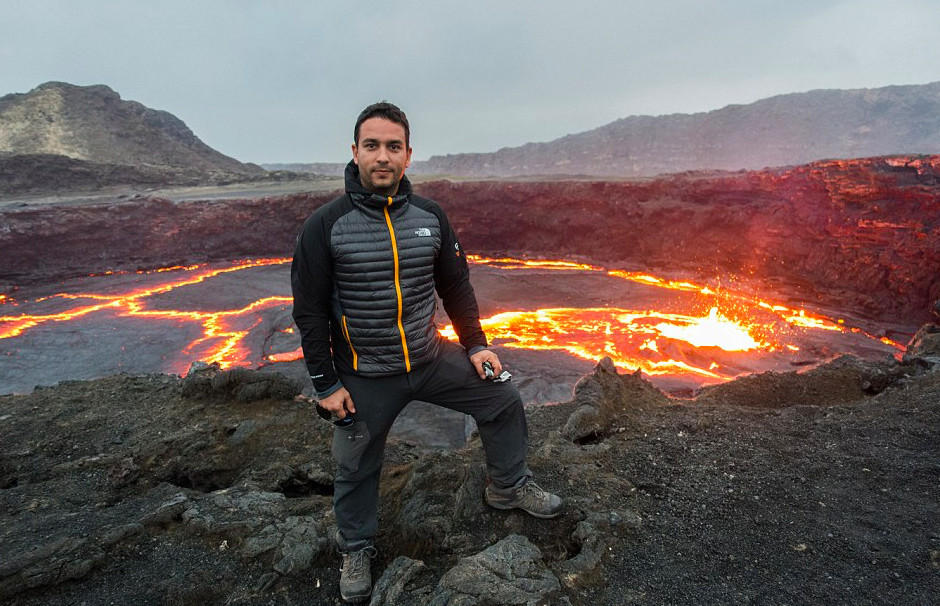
{"points": [[389, 111]]}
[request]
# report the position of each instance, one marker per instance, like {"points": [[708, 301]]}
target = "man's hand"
{"points": [[339, 403], [485, 355]]}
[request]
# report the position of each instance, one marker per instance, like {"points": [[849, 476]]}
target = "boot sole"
{"points": [[359, 599], [543, 516]]}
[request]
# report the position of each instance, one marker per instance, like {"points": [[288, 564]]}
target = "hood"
{"points": [[362, 195]]}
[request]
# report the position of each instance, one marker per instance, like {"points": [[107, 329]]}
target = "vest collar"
{"points": [[367, 198]]}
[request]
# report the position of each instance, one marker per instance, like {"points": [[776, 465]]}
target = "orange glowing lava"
{"points": [[713, 330], [743, 303], [723, 328], [631, 339], [223, 331], [510, 263]]}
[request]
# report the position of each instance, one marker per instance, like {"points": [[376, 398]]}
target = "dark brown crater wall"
{"points": [[862, 235]]}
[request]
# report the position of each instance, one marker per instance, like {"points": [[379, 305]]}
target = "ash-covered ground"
{"points": [[814, 486], [780, 488]]}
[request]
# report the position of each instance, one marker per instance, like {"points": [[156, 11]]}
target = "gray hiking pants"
{"points": [[449, 381]]}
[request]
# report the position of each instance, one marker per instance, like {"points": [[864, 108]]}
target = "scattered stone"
{"points": [[198, 380], [62, 559], [925, 344], [509, 572], [594, 536], [246, 385], [840, 381], [119, 533], [232, 513], [291, 547], [169, 511], [584, 423], [123, 473], [243, 430], [405, 582], [613, 396]]}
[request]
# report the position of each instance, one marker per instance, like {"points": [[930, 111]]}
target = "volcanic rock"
{"points": [[618, 397], [244, 384], [85, 136], [781, 130], [35, 173], [509, 572], [406, 582], [844, 379], [594, 538], [924, 345], [855, 237], [229, 502]]}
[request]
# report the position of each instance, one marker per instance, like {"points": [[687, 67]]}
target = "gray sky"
{"points": [[283, 81]]}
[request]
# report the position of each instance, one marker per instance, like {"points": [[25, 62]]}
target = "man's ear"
{"points": [[355, 153], [408, 158]]}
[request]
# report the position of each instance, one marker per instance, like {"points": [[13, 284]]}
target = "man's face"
{"points": [[382, 155]]}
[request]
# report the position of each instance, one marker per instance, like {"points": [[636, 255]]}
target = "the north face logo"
{"points": [[423, 232]]}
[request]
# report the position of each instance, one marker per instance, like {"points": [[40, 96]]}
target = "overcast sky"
{"points": [[283, 81]]}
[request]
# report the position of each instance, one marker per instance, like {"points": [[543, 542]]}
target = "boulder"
{"points": [[243, 384], [509, 572], [925, 344], [405, 582], [606, 397]]}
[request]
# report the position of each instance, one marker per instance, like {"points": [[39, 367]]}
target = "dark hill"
{"points": [[777, 131], [95, 127]]}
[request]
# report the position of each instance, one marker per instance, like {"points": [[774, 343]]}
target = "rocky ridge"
{"points": [[216, 488], [87, 136], [783, 130]]}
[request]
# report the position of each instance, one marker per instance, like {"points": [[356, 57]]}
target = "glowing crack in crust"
{"points": [[223, 331], [654, 341]]}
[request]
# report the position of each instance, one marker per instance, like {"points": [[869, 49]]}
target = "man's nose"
{"points": [[383, 154]]}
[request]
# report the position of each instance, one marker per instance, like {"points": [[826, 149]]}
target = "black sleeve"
{"points": [[311, 276], [452, 280]]}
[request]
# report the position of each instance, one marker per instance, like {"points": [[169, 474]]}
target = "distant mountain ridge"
{"points": [[92, 124], [777, 131]]}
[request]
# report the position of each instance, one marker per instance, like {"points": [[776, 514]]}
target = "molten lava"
{"points": [[223, 331], [707, 339], [713, 330]]}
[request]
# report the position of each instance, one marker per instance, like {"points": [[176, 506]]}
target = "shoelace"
{"points": [[531, 488], [357, 559]]}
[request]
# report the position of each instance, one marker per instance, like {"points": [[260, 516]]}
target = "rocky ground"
{"points": [[780, 488]]}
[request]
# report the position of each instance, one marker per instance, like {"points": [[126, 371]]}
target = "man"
{"points": [[364, 274]]}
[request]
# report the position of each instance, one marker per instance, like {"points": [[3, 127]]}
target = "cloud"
{"points": [[284, 80]]}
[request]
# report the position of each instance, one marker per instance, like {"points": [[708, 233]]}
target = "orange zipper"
{"points": [[401, 328], [351, 348]]}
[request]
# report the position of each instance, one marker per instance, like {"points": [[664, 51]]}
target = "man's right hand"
{"points": [[339, 403]]}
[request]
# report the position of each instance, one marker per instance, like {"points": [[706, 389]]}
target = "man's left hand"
{"points": [[485, 355]]}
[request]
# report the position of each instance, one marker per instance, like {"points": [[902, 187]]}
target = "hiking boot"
{"points": [[528, 496], [355, 581]]}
